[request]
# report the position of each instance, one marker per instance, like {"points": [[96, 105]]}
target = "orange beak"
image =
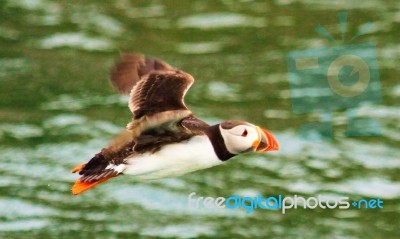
{"points": [[265, 142]]}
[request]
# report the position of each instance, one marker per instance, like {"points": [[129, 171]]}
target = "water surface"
{"points": [[57, 110]]}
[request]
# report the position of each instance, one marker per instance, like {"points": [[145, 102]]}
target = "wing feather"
{"points": [[130, 69], [160, 91]]}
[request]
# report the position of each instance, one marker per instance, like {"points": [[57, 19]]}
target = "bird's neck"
{"points": [[214, 134]]}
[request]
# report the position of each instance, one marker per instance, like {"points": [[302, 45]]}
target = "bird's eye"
{"points": [[244, 134]]}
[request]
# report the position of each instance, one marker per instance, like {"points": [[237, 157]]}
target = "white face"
{"points": [[239, 138]]}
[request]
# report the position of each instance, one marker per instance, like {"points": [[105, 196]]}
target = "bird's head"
{"points": [[240, 137]]}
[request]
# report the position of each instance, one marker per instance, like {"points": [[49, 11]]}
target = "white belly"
{"points": [[173, 160]]}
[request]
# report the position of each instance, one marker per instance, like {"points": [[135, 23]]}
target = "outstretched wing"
{"points": [[160, 91], [158, 108], [130, 69], [156, 95], [153, 84]]}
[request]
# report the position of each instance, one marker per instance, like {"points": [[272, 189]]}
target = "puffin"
{"points": [[164, 138]]}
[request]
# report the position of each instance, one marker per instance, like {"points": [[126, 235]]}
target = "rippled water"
{"points": [[57, 110]]}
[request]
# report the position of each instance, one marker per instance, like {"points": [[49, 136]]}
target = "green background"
{"points": [[57, 109]]}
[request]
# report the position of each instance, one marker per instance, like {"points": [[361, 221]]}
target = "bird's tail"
{"points": [[83, 184]]}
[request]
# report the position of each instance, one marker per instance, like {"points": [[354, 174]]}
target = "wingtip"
{"points": [[130, 68]]}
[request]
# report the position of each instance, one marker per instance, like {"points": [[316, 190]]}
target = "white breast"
{"points": [[174, 159]]}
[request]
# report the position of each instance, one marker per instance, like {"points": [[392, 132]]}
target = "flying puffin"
{"points": [[164, 138]]}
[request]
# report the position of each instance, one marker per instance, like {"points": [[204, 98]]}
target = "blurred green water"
{"points": [[57, 109]]}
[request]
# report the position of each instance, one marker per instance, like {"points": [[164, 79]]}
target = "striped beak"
{"points": [[265, 142]]}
